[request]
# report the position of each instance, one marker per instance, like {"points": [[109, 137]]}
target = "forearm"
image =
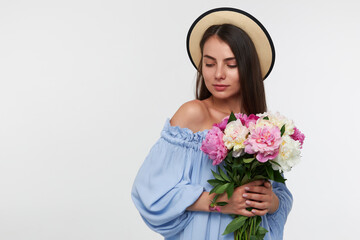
{"points": [[202, 203], [237, 205], [274, 204], [285, 199]]}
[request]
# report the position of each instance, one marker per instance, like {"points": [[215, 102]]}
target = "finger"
{"points": [[258, 189], [255, 197], [267, 184], [259, 212], [257, 205], [246, 213], [254, 183]]}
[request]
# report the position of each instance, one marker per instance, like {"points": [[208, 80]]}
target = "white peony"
{"points": [[234, 136], [261, 123], [289, 154], [279, 120]]}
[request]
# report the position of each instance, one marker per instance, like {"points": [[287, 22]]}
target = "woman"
{"points": [[171, 190]]}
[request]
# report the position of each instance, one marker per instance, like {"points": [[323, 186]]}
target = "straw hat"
{"points": [[256, 31]]}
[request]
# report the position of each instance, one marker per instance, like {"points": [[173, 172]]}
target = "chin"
{"points": [[221, 95]]}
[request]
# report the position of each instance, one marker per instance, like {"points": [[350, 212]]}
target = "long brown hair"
{"points": [[251, 83]]}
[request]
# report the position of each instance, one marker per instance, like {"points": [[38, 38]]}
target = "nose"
{"points": [[220, 72]]}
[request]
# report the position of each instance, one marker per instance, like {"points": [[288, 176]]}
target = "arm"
{"points": [[255, 194], [278, 218], [162, 189]]}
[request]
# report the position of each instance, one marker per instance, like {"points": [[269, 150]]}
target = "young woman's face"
{"points": [[219, 69]]}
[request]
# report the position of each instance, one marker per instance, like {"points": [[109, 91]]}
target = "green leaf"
{"points": [[256, 164], [258, 177], [244, 180], [262, 230], [248, 160], [227, 167], [238, 168], [270, 172], [266, 118], [229, 156], [237, 164], [214, 182], [223, 175], [228, 161], [273, 162], [232, 117], [235, 224], [260, 233], [282, 130], [278, 177], [230, 173], [237, 180], [230, 190], [215, 189], [221, 203], [217, 176], [248, 174], [220, 189]]}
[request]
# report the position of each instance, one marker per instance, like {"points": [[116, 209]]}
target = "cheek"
{"points": [[206, 81], [207, 75], [206, 72], [235, 77], [236, 82]]}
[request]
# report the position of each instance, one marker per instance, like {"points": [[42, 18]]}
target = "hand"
{"points": [[261, 198], [237, 204]]}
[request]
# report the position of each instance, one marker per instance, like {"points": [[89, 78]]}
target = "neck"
{"points": [[227, 105]]}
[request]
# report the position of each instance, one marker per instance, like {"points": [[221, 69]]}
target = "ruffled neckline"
{"points": [[183, 136]]}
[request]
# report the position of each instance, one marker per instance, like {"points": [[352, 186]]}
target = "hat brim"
{"points": [[256, 31]]}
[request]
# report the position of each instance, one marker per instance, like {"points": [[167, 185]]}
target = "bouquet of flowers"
{"points": [[250, 148]]}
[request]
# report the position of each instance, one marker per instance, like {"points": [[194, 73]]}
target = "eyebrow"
{"points": [[226, 59]]}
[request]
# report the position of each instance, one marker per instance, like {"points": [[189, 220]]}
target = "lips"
{"points": [[220, 87]]}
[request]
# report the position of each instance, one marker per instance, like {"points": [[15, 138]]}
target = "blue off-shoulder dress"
{"points": [[173, 176]]}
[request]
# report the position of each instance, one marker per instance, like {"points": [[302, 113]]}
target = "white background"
{"points": [[86, 86]]}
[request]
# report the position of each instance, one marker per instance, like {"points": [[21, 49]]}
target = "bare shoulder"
{"points": [[192, 115]]}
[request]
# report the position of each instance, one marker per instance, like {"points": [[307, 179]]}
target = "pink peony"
{"points": [[245, 120], [298, 136], [222, 125], [264, 141], [213, 145]]}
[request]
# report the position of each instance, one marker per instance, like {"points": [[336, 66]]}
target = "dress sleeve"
{"points": [[277, 219], [163, 187]]}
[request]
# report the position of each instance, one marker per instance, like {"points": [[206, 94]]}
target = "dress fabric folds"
{"points": [[173, 176]]}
